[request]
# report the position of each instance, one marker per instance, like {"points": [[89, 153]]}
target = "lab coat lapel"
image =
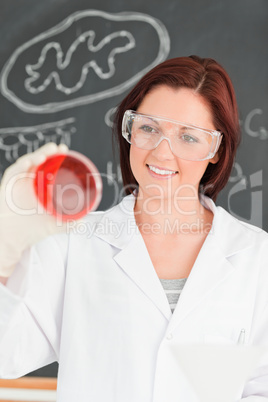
{"points": [[132, 256], [210, 269], [213, 264], [135, 261]]}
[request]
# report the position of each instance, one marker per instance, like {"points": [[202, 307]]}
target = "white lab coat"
{"points": [[92, 301]]}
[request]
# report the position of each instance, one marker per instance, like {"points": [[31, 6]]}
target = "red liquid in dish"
{"points": [[68, 185]]}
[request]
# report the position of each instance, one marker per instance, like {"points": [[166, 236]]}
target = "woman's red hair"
{"points": [[208, 79]]}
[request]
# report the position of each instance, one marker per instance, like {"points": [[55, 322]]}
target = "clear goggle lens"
{"points": [[186, 141]]}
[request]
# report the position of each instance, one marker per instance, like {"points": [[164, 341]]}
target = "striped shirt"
{"points": [[173, 289]]}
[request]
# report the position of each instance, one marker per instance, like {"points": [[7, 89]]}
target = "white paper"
{"points": [[216, 373]]}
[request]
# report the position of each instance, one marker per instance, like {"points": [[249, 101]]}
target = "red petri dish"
{"points": [[68, 185]]}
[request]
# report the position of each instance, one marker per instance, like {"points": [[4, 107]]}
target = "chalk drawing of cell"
{"points": [[90, 56], [32, 137]]}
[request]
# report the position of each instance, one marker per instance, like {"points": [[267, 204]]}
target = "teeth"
{"points": [[160, 171]]}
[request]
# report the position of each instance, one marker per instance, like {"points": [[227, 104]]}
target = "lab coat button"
{"points": [[169, 336]]}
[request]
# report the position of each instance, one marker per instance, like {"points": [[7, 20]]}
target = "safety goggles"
{"points": [[186, 141]]}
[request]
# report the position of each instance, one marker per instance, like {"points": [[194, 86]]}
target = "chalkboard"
{"points": [[65, 65]]}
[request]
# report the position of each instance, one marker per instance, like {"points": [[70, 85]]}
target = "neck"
{"points": [[172, 216]]}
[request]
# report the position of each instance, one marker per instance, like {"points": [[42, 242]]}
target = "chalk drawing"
{"points": [[119, 41], [261, 133], [113, 176], [32, 137], [108, 118], [254, 186], [238, 173], [62, 64]]}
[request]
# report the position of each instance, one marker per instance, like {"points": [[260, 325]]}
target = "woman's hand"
{"points": [[23, 221]]}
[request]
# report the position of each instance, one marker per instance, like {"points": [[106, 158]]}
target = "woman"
{"points": [[95, 302]]}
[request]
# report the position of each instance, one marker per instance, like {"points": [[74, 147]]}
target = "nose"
{"points": [[163, 150]]}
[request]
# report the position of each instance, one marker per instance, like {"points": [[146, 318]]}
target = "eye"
{"points": [[148, 129], [188, 138]]}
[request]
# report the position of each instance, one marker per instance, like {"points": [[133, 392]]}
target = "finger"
{"points": [[28, 161], [63, 148], [39, 156], [46, 150], [15, 169]]}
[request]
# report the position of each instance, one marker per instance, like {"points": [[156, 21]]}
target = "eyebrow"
{"points": [[171, 121], [189, 127], [151, 118], [186, 126], [174, 122]]}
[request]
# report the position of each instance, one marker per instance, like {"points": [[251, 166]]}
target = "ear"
{"points": [[215, 158]]}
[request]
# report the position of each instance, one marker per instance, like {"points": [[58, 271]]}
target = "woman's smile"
{"points": [[160, 172]]}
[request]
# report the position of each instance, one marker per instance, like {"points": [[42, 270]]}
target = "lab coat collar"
{"points": [[227, 237], [117, 227], [230, 234]]}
